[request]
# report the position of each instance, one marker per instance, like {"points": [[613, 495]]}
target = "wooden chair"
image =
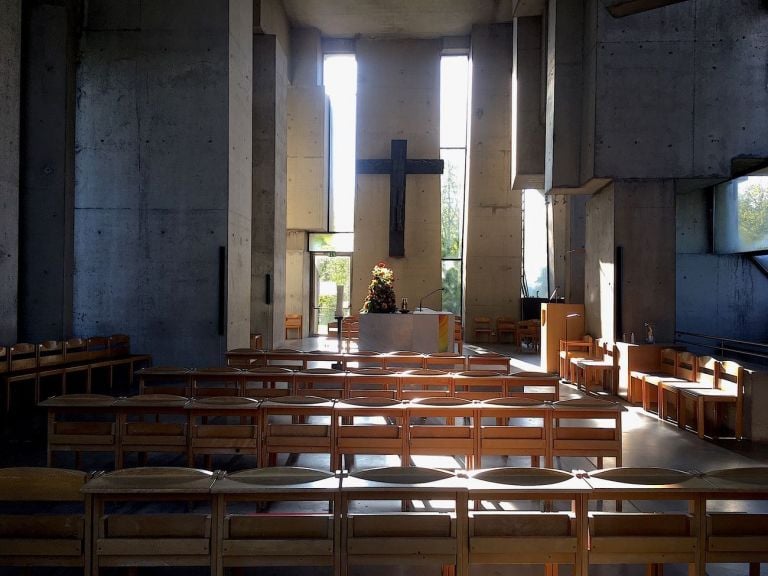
{"points": [[529, 335], [685, 377], [600, 372], [506, 327], [285, 358], [369, 426], [363, 359], [122, 356], [80, 423], [137, 535], [728, 391], [403, 359], [22, 367], [424, 383], [542, 386], [350, 330], [448, 361], [295, 425], [245, 358], [650, 537], [50, 366], [253, 536], [150, 423], [265, 382], [737, 537], [707, 369], [587, 427], [223, 425], [443, 426], [482, 328], [458, 334], [322, 382], [294, 322], [98, 358], [394, 535], [489, 361], [223, 381], [372, 382], [649, 392], [499, 536], [514, 427], [77, 358], [479, 384], [570, 349], [165, 380], [57, 537]]}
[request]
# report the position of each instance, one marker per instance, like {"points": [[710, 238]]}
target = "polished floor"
{"points": [[646, 442]]}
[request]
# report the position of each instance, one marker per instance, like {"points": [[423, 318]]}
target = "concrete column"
{"points": [[494, 218], [268, 254], [528, 104], [47, 159], [240, 173], [398, 97], [10, 103]]}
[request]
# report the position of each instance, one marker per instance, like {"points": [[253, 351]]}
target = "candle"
{"points": [[339, 300]]}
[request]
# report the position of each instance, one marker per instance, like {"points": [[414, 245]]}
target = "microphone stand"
{"points": [[427, 296]]}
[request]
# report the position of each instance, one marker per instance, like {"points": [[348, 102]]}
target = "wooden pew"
{"points": [[498, 536], [442, 426], [59, 537], [223, 425], [651, 537], [251, 536], [136, 534], [514, 427], [397, 536], [728, 390]]}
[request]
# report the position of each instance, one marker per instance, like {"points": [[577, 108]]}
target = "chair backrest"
{"points": [[730, 378], [707, 369], [668, 361], [50, 353], [22, 356], [686, 366]]}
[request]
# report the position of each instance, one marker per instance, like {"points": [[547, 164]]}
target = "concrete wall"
{"points": [[398, 98], [10, 102], [600, 265], [47, 178], [732, 290], [152, 165], [494, 218], [665, 78], [307, 135], [240, 173]]}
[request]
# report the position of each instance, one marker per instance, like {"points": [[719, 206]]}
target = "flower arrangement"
{"points": [[381, 292]]}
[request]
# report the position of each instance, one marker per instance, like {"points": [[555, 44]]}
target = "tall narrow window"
{"points": [[340, 79], [535, 283], [454, 91]]}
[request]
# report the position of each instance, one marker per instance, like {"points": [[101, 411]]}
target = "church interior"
{"points": [[171, 199]]}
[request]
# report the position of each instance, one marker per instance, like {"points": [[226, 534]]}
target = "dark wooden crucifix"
{"points": [[397, 167]]}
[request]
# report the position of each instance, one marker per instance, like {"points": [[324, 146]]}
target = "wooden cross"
{"points": [[397, 167]]}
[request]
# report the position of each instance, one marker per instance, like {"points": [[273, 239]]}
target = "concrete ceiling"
{"points": [[404, 18]]}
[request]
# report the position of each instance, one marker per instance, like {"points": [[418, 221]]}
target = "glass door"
{"points": [[331, 274]]}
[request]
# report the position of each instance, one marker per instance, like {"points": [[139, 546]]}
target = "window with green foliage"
{"points": [[454, 91], [741, 214]]}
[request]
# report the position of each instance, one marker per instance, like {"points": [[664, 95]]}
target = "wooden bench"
{"points": [[58, 537], [587, 427], [138, 535]]}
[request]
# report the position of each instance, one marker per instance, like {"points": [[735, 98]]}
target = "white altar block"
{"points": [[423, 331]]}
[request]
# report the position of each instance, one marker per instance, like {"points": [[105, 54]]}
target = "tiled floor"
{"points": [[646, 441]]}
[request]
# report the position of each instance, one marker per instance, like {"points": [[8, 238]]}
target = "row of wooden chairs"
{"points": [[403, 384], [524, 334], [31, 364], [316, 518], [299, 359], [592, 365], [438, 426], [688, 388]]}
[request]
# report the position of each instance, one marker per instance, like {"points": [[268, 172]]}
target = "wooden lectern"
{"points": [[559, 322]]}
